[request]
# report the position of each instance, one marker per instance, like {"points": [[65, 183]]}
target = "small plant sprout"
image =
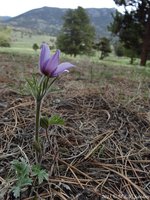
{"points": [[39, 173], [22, 172], [51, 69], [25, 174]]}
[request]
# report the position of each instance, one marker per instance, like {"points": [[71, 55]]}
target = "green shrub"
{"points": [[4, 37], [35, 46], [119, 49]]}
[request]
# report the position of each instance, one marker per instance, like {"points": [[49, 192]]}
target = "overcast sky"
{"points": [[15, 7]]}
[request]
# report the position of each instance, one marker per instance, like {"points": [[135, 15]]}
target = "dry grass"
{"points": [[102, 151]]}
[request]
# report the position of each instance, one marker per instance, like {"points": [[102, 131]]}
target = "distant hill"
{"points": [[49, 20], [4, 18]]}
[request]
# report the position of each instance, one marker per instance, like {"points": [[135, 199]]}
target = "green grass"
{"points": [[18, 50], [27, 40], [22, 42]]}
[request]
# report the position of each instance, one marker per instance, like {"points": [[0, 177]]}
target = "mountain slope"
{"points": [[4, 18], [49, 20]]}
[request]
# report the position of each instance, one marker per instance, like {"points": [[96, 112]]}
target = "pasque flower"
{"points": [[49, 65]]}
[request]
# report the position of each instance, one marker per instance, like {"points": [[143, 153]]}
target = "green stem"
{"points": [[48, 87], [37, 122], [41, 93], [37, 125]]}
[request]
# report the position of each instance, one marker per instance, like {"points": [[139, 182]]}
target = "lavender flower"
{"points": [[49, 65]]}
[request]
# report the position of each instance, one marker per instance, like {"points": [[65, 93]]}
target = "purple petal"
{"points": [[52, 63], [44, 56], [63, 67]]}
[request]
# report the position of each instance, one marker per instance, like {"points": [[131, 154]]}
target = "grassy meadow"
{"points": [[22, 42], [102, 151]]}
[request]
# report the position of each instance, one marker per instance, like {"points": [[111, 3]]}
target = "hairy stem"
{"points": [[37, 125], [38, 108]]}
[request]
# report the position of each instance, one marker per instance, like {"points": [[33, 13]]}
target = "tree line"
{"points": [[132, 29]]}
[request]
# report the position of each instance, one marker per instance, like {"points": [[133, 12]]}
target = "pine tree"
{"points": [[133, 27], [77, 34], [104, 46]]}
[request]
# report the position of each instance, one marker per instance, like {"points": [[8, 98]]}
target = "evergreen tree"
{"points": [[133, 27], [77, 34], [104, 46], [120, 50]]}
